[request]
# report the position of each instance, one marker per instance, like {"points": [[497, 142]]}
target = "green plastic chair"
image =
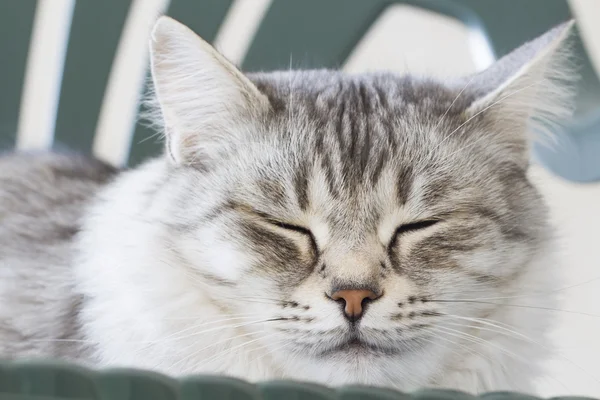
{"points": [[58, 381]]}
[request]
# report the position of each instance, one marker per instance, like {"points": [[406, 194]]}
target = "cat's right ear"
{"points": [[205, 101]]}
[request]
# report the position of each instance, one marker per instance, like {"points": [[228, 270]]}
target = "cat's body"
{"points": [[137, 318], [306, 225], [42, 202]]}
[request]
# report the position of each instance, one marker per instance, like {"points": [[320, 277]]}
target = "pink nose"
{"points": [[354, 301]]}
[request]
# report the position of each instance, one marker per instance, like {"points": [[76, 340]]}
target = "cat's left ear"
{"points": [[206, 104], [527, 92]]}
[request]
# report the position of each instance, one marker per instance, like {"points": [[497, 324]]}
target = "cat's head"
{"points": [[353, 213]]}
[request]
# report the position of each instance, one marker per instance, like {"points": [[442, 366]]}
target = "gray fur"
{"points": [[42, 199]]}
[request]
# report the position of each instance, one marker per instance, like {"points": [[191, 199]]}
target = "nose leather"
{"points": [[353, 299]]}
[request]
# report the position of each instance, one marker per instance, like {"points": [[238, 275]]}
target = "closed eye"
{"points": [[290, 227], [283, 225], [295, 228], [275, 222], [415, 226]]}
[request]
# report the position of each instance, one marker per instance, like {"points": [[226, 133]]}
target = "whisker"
{"points": [[456, 343], [538, 293], [199, 317], [274, 301], [176, 335], [497, 330], [269, 352], [232, 349], [513, 305], [86, 341], [480, 341], [182, 360], [486, 357], [489, 322], [291, 97], [257, 301], [150, 137], [515, 334], [477, 340], [171, 337]]}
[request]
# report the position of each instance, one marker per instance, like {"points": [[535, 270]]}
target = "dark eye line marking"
{"points": [[275, 222], [411, 227], [295, 228], [415, 226], [289, 227]]}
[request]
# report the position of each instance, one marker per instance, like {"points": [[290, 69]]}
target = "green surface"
{"points": [[16, 21], [310, 33], [93, 40], [318, 33], [59, 381]]}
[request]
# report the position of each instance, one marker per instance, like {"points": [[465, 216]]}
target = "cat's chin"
{"points": [[358, 363], [355, 346], [360, 347]]}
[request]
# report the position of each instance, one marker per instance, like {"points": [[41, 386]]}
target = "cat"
{"points": [[310, 225]]}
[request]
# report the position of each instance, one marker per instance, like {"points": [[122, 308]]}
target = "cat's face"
{"points": [[350, 214], [350, 186]]}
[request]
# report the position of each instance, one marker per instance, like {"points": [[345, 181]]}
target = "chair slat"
{"points": [[313, 33], [43, 74], [121, 100], [587, 13], [95, 34], [16, 23], [239, 27]]}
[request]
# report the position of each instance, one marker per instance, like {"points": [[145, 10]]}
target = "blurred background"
{"points": [[73, 72]]}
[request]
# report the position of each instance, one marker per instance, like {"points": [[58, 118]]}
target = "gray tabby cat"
{"points": [[311, 225]]}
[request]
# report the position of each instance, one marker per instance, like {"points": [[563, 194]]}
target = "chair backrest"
{"points": [[73, 71]]}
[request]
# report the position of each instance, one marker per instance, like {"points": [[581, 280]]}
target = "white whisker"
{"points": [[513, 305], [234, 348], [512, 333], [198, 351], [536, 293]]}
